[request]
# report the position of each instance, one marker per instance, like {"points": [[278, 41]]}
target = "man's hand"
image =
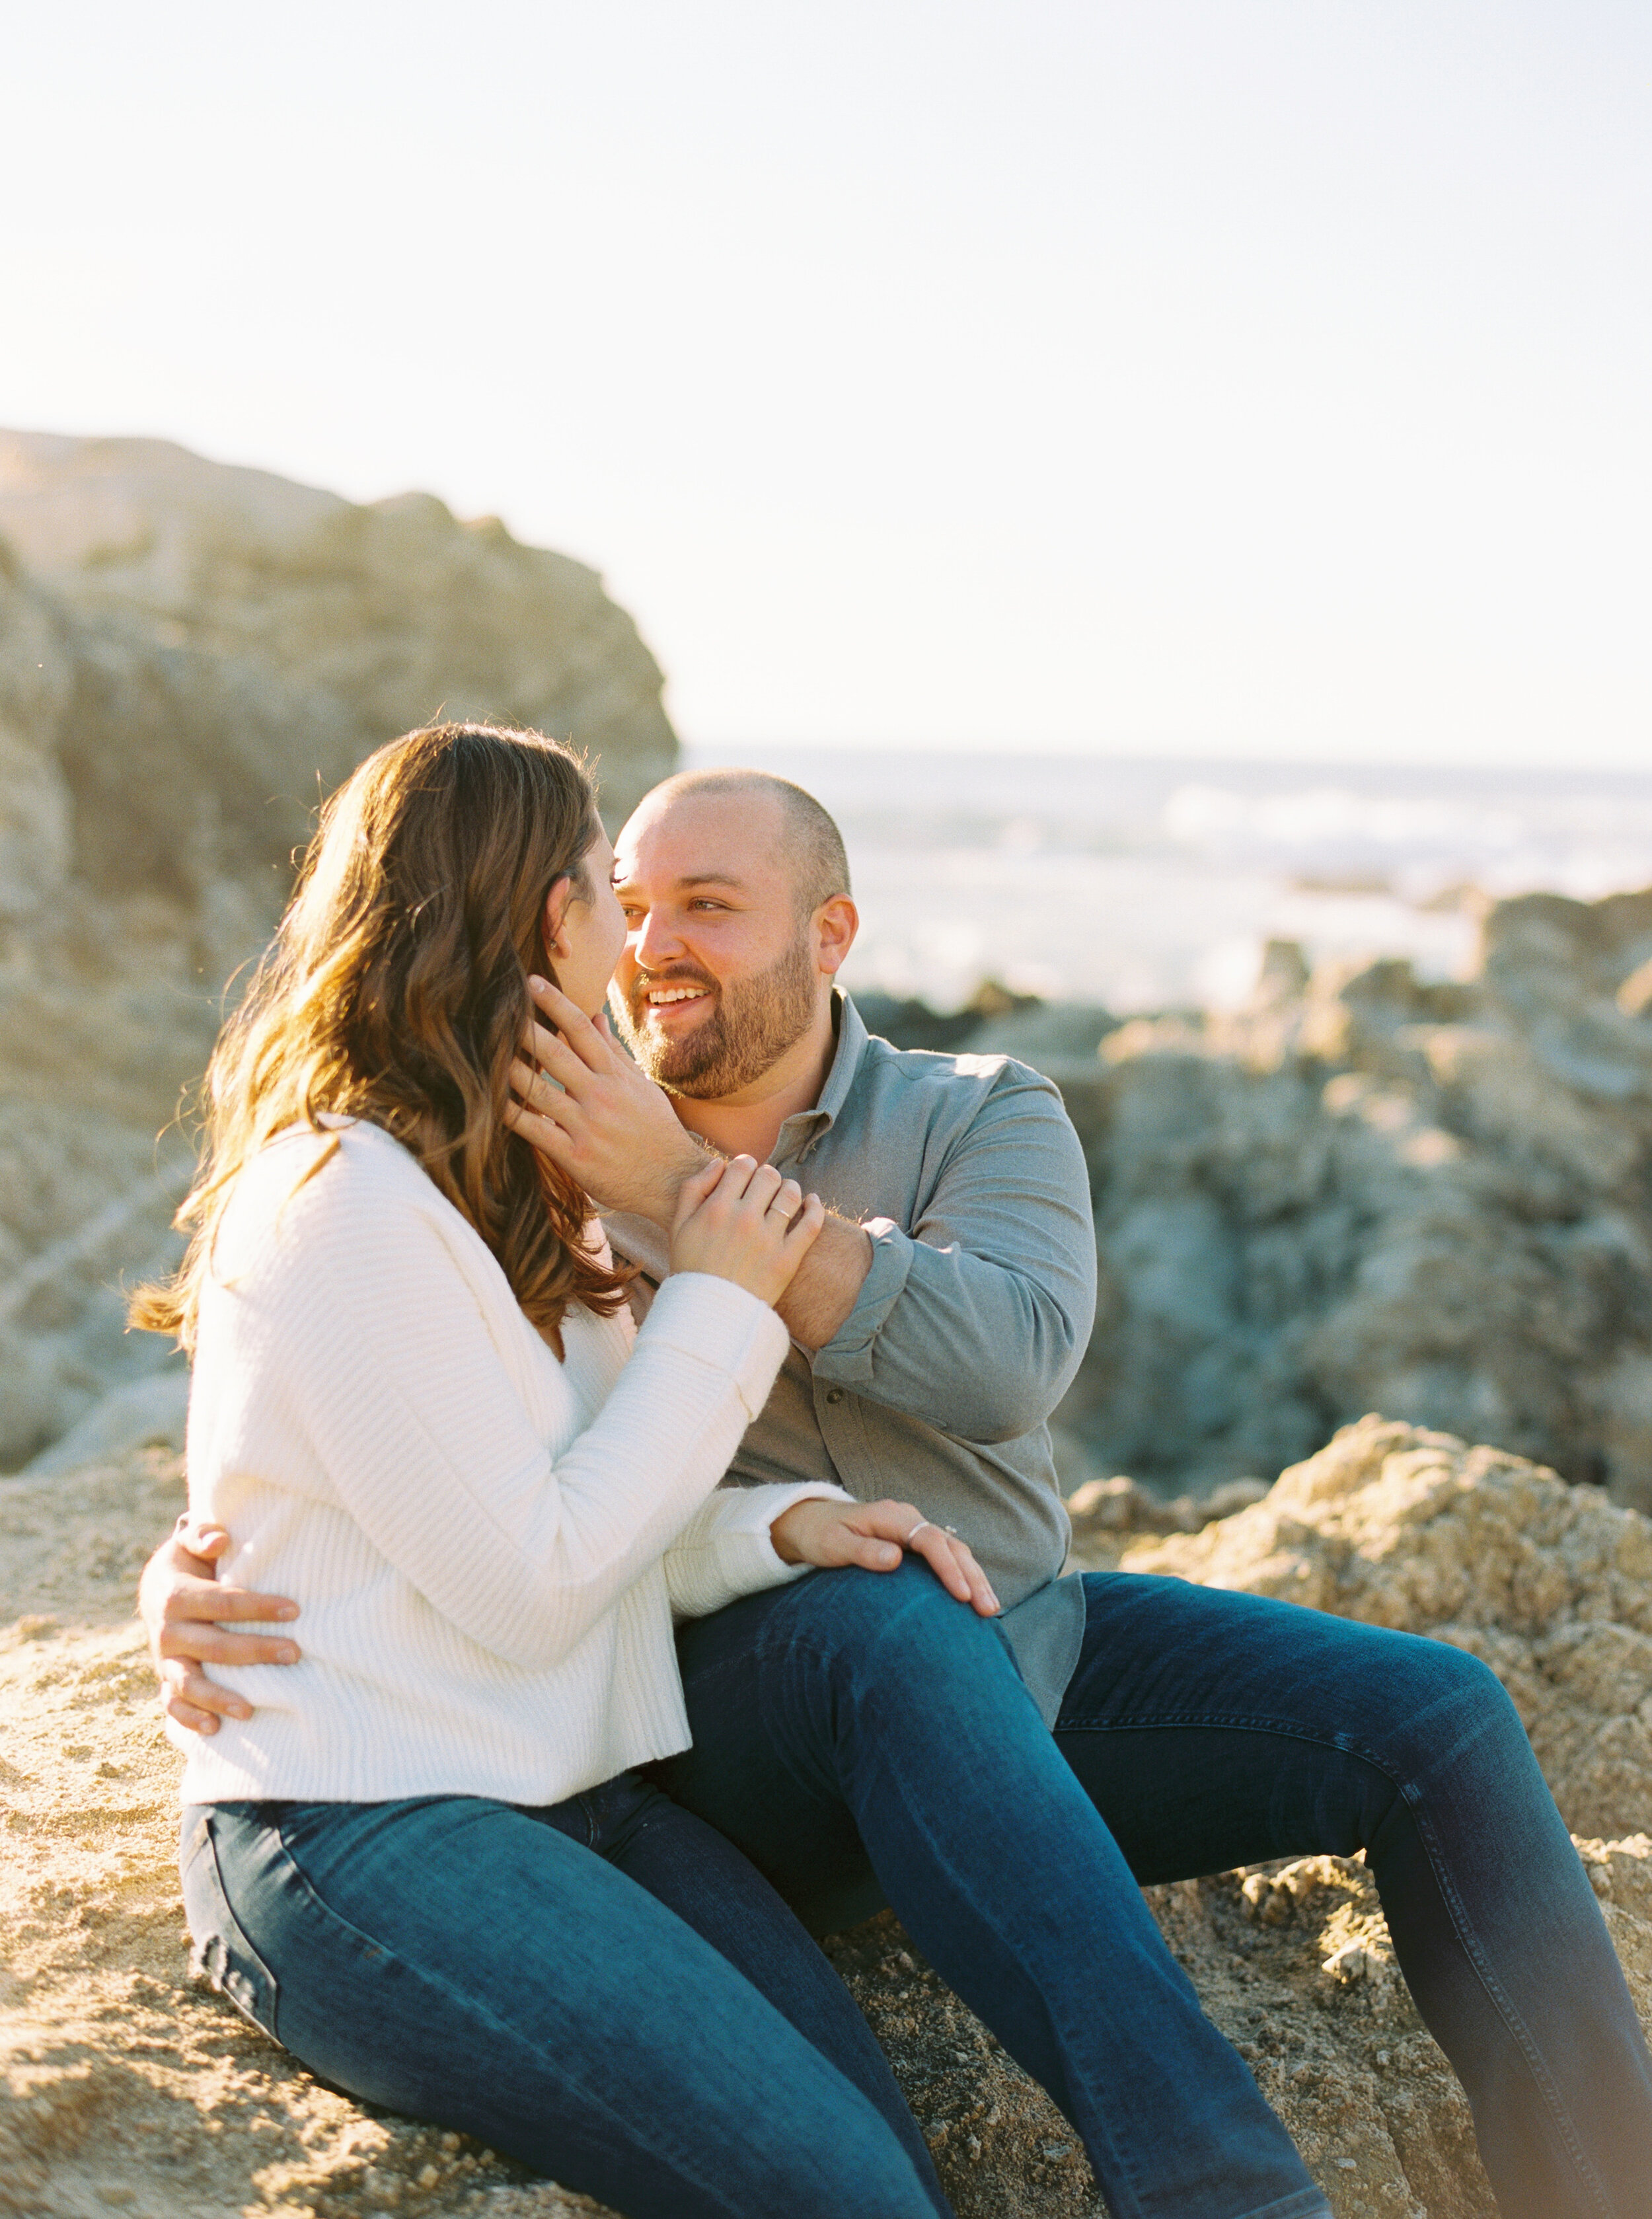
{"points": [[185, 1609], [877, 1536], [604, 1122]]}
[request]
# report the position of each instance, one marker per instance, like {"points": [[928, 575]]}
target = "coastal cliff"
{"points": [[190, 655]]}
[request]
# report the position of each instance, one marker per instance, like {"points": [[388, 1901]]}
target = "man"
{"points": [[940, 1317]]}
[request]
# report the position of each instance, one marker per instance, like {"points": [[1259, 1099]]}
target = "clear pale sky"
{"points": [[1219, 376]]}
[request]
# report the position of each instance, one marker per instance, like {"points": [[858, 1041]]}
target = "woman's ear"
{"points": [[553, 924]]}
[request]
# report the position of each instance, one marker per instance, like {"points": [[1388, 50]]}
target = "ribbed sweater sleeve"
{"points": [[412, 1412], [724, 1551]]}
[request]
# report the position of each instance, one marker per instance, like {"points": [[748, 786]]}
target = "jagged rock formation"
{"points": [[120, 2082], [1366, 1191], [189, 655]]}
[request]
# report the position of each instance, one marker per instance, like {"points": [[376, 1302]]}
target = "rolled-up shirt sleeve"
{"points": [[975, 1318]]}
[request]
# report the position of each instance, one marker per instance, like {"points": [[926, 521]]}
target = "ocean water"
{"points": [[1151, 886]]}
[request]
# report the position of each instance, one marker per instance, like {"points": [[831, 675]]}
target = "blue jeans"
{"points": [[858, 1716], [603, 1989]]}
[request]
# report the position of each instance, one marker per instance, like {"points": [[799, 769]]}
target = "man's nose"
{"points": [[657, 942]]}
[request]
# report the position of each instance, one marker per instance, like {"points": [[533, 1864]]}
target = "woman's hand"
{"points": [[742, 1220], [878, 1535], [604, 1121]]}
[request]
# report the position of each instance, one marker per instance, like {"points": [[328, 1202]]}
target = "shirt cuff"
{"points": [[846, 1356]]}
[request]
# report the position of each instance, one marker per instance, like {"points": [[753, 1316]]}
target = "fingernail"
{"points": [[286, 1654], [993, 1599], [288, 1610], [239, 1711]]}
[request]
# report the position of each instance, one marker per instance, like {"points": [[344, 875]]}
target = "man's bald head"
{"points": [[810, 846]]}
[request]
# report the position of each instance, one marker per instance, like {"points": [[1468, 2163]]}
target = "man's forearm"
{"points": [[829, 1281]]}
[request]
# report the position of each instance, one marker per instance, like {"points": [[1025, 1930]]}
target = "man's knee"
{"points": [[851, 1605], [1444, 1710], [899, 1634]]}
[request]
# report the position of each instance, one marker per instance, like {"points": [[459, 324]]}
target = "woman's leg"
{"points": [[689, 1866], [1211, 1729], [459, 1960], [883, 1698]]}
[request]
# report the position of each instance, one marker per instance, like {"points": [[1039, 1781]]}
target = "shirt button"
{"points": [[834, 1394]]}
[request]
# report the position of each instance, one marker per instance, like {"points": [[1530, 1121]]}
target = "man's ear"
{"points": [[551, 924], [836, 922]]}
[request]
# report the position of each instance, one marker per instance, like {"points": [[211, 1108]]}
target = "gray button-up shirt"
{"points": [[968, 1175]]}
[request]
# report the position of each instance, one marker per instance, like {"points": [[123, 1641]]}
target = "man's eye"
{"points": [[705, 901]]}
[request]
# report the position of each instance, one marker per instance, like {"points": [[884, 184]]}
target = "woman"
{"points": [[421, 1859]]}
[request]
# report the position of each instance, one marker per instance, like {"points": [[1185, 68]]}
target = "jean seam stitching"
{"points": [[1255, 1723]]}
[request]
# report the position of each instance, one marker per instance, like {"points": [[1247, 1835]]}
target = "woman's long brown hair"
{"points": [[395, 991]]}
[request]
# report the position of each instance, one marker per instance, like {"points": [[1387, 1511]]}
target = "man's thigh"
{"points": [[1211, 1729], [736, 1777]]}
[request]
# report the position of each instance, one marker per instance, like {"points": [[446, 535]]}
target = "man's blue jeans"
{"points": [[603, 1989], [1202, 1729]]}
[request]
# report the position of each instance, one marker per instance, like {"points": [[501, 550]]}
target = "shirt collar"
{"points": [[804, 1126]]}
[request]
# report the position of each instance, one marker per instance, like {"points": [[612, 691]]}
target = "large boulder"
{"points": [[123, 2084], [190, 655], [242, 642]]}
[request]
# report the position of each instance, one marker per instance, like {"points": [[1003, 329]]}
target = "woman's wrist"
{"points": [[783, 1531]]}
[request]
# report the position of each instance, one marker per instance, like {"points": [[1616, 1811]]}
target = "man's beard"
{"points": [[753, 1025]]}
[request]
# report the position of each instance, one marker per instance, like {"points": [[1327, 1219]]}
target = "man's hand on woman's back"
{"points": [[189, 1614]]}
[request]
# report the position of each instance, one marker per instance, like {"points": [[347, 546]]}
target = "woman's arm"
{"points": [[376, 1306], [728, 1547]]}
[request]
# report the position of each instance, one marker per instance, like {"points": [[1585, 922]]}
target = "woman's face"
{"points": [[585, 931]]}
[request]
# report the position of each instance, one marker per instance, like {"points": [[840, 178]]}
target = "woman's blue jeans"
{"points": [[1202, 1729], [603, 1989]]}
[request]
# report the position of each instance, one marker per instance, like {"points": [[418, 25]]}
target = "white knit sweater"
{"points": [[487, 1545]]}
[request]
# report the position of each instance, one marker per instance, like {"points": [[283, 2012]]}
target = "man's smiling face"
{"points": [[718, 976]]}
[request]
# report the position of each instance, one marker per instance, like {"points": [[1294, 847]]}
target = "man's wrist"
{"points": [[661, 1209]]}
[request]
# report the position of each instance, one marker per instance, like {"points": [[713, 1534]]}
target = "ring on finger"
{"points": [[915, 1530]]}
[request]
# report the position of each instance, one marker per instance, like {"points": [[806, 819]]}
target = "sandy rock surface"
{"points": [[190, 654], [124, 2085]]}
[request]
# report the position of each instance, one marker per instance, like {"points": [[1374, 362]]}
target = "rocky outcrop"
{"points": [[1550, 1585], [121, 2083], [1368, 1191], [189, 655]]}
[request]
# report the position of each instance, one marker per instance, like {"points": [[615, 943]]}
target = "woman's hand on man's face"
{"points": [[609, 1126], [879, 1535]]}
